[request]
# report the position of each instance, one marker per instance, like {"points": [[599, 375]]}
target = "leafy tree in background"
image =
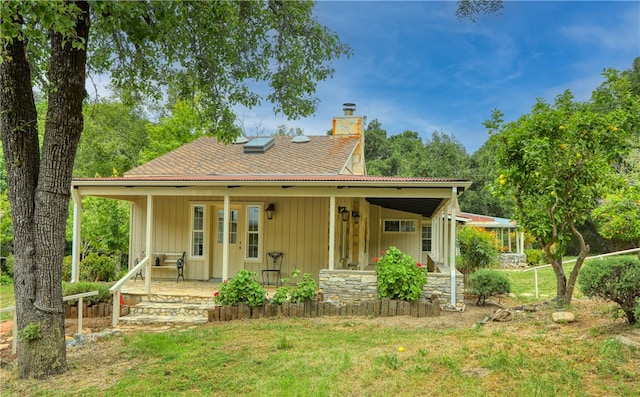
{"points": [[377, 148], [618, 216], [184, 125], [113, 136], [407, 155], [445, 157], [213, 50], [482, 171], [559, 160]]}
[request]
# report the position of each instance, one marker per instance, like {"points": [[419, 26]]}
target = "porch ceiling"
{"points": [[423, 206]]}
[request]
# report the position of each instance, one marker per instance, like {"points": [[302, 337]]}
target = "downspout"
{"points": [[452, 245], [75, 248]]}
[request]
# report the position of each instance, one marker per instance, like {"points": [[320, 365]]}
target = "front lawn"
{"points": [[354, 356]]}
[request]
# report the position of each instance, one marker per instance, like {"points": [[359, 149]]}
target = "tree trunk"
{"points": [[39, 190]]}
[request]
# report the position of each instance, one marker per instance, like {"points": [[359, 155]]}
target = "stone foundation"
{"points": [[352, 286]]}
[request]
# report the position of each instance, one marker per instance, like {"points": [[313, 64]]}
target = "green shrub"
{"points": [[66, 268], [477, 248], [96, 267], [78, 288], [5, 279], [399, 276], [305, 289], [243, 288], [7, 267], [616, 279], [487, 282], [534, 257], [280, 296]]}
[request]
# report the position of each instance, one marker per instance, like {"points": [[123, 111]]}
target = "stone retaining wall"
{"points": [[315, 308], [351, 286]]}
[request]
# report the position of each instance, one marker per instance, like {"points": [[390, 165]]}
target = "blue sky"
{"points": [[417, 67]]}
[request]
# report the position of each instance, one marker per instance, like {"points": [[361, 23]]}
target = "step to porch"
{"points": [[149, 319], [171, 310]]}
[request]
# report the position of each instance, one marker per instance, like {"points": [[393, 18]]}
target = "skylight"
{"points": [[259, 145]]}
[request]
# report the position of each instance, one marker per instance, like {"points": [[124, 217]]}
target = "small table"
{"points": [[276, 264]]}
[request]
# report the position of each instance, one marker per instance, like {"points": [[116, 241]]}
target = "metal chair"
{"points": [[180, 267], [276, 264], [139, 273]]}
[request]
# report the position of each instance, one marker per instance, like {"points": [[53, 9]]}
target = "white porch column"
{"points": [[509, 239], [452, 245], [363, 231], [445, 238], [521, 249], [225, 239], [438, 244], [76, 239], [332, 232], [434, 238], [149, 248]]}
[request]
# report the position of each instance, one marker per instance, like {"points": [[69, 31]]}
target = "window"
{"points": [[400, 226], [426, 238], [253, 231], [233, 226], [197, 232]]}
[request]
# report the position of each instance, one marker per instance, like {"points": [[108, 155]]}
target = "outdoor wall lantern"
{"points": [[356, 217], [344, 213], [270, 210]]}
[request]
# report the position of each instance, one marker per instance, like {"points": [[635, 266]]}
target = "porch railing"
{"points": [[14, 343], [117, 287], [535, 269]]}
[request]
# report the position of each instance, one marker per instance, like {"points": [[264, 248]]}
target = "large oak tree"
{"points": [[217, 50]]}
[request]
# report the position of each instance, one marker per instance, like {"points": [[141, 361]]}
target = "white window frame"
{"points": [[193, 230], [430, 238], [258, 232], [400, 227], [220, 226]]}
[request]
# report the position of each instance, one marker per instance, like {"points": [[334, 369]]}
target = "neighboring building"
{"points": [[308, 197], [509, 237]]}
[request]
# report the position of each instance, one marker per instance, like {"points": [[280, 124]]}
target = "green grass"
{"points": [[7, 299], [324, 358], [524, 283]]}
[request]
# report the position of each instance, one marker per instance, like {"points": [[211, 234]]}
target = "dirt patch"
{"points": [[89, 325]]}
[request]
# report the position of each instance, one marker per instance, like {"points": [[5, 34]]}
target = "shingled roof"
{"points": [[320, 155]]}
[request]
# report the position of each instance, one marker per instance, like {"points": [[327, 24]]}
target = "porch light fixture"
{"points": [[344, 212], [270, 210], [356, 217]]}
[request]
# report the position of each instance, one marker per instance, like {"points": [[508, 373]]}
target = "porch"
{"points": [[341, 292]]}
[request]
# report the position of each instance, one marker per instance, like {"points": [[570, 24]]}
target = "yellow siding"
{"points": [[408, 243], [298, 229]]}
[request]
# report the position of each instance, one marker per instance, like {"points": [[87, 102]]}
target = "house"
{"points": [[307, 197]]}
